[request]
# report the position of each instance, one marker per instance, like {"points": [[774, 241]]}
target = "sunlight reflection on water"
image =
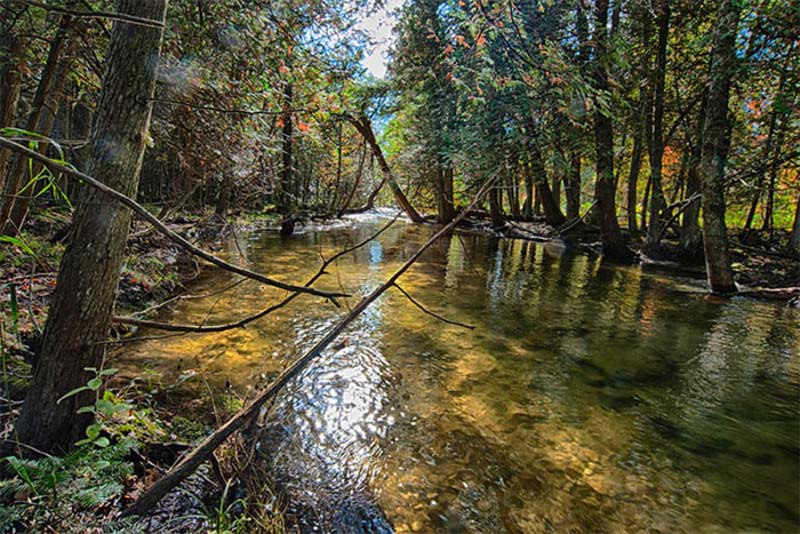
{"points": [[589, 399]]}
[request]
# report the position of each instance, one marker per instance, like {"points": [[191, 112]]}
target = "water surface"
{"points": [[590, 398]]}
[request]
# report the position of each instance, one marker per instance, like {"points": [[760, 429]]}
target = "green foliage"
{"points": [[46, 490]]}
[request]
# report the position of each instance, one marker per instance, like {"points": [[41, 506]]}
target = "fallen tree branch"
{"points": [[94, 14], [203, 451], [160, 226], [432, 314], [684, 204], [188, 328], [570, 224]]}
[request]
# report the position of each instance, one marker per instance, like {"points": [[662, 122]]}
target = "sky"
{"points": [[378, 26]]}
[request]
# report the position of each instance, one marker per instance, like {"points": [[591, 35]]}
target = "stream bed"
{"points": [[590, 398]]}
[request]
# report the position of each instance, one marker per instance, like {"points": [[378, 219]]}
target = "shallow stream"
{"points": [[590, 398]]}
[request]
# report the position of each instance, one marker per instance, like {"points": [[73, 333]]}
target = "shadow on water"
{"points": [[590, 398]]}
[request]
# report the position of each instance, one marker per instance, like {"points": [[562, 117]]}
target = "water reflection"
{"points": [[590, 398]]}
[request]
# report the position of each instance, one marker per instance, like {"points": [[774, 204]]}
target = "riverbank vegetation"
{"points": [[137, 135]]}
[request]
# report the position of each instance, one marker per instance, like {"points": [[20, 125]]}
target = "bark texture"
{"points": [[715, 143], [614, 246], [82, 304], [287, 182], [10, 87]]}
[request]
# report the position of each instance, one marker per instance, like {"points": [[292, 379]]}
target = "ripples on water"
{"points": [[590, 398]]}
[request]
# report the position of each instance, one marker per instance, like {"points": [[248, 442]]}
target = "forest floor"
{"points": [[155, 271]]}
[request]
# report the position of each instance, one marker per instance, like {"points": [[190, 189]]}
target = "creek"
{"points": [[590, 397]]}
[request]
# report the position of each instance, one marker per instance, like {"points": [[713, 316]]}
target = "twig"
{"points": [[160, 226], [201, 453], [95, 14], [432, 314], [247, 320], [570, 224]]}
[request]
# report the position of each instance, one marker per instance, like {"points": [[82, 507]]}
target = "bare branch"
{"points": [[94, 14], [247, 320], [432, 314], [160, 226]]}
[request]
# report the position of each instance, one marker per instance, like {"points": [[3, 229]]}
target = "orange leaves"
{"points": [[461, 41], [449, 49], [480, 41], [303, 126]]}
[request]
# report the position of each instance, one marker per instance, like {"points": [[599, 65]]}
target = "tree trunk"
{"points": [[513, 192], [43, 91], [552, 213], [287, 178], [713, 158], [527, 205], [81, 306], [10, 87], [658, 202], [795, 239], [22, 202], [639, 134], [774, 169], [691, 235], [362, 124], [614, 246], [572, 187], [496, 207]]}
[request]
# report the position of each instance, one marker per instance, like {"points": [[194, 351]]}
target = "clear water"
{"points": [[590, 398]]}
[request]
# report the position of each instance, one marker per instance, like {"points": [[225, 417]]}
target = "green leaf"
{"points": [[105, 407], [102, 442], [95, 383], [93, 431], [18, 243], [87, 409], [106, 372]]}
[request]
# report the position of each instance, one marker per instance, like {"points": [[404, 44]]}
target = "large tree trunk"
{"points": [[614, 246], [715, 143], [658, 202], [286, 196], [82, 303], [364, 127], [10, 87]]}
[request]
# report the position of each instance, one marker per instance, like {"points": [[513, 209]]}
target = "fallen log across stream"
{"points": [[205, 449]]}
